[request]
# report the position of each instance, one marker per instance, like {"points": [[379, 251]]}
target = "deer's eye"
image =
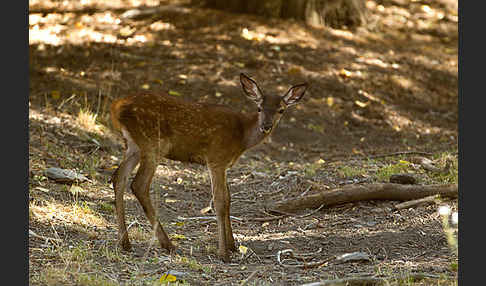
{"points": [[281, 110]]}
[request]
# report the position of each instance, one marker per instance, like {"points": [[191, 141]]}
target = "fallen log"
{"points": [[364, 192]]}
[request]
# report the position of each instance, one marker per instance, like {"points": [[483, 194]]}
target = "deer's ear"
{"points": [[251, 89], [295, 94]]}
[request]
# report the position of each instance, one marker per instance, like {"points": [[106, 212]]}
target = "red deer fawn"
{"points": [[162, 126]]}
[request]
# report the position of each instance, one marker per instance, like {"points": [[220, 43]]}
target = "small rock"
{"points": [[353, 256], [178, 274], [406, 179], [271, 246], [371, 223], [64, 176]]}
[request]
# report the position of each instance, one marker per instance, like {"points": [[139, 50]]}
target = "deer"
{"points": [[156, 126]]}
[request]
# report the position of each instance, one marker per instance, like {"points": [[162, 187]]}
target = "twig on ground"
{"points": [[302, 257], [263, 219], [132, 223], [366, 280], [170, 207], [306, 190], [33, 234], [65, 101], [252, 252], [312, 212], [248, 278], [317, 185], [398, 154], [207, 218], [413, 203]]}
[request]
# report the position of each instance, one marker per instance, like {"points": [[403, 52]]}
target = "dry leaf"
{"points": [[243, 249], [55, 94], [294, 71], [167, 278], [126, 31], [361, 104], [345, 73], [178, 236], [330, 101]]}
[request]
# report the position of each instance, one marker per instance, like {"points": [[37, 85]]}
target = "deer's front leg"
{"points": [[221, 198], [230, 241]]}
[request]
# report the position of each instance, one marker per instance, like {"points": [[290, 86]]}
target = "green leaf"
{"points": [[174, 93]]}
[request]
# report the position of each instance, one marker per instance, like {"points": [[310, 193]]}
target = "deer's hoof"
{"points": [[125, 245], [232, 247], [174, 250], [226, 257]]}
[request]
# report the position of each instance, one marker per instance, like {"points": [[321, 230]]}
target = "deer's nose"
{"points": [[267, 128]]}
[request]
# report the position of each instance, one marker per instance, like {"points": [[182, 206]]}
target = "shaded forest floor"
{"points": [[391, 86]]}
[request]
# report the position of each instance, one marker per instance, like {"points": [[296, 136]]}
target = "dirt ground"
{"points": [[390, 86]]}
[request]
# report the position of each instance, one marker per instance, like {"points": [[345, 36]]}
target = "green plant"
{"points": [[350, 171], [447, 162], [107, 207], [384, 173], [311, 168], [316, 128], [94, 280]]}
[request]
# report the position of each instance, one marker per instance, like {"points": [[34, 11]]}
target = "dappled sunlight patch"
{"points": [[59, 29], [91, 4], [160, 25], [267, 236], [262, 33], [79, 213], [73, 258], [345, 34], [48, 35], [86, 34]]}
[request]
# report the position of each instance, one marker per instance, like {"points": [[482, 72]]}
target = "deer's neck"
{"points": [[252, 134]]}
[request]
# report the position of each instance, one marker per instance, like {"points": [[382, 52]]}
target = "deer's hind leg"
{"points": [[120, 183]]}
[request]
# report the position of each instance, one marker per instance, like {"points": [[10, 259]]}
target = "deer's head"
{"points": [[271, 107]]}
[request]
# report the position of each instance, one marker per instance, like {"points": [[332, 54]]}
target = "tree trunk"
{"points": [[333, 13]]}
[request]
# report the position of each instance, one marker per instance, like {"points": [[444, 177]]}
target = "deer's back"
{"points": [[188, 131]]}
